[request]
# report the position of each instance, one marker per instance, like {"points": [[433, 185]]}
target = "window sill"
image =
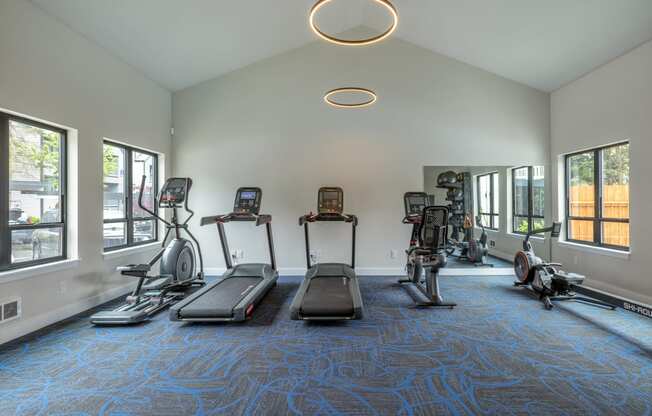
{"points": [[489, 230], [522, 237], [130, 251], [28, 272], [596, 250]]}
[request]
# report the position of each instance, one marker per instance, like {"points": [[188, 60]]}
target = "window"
{"points": [[32, 193], [488, 201], [125, 223], [528, 199], [597, 196]]}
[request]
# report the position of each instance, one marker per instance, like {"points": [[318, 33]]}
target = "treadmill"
{"points": [[329, 291], [234, 297]]}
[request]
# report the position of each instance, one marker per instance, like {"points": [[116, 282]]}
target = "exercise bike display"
{"points": [[177, 262], [427, 251], [547, 279]]}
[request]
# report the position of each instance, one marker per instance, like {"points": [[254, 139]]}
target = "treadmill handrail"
{"points": [[260, 219], [328, 217], [304, 220]]}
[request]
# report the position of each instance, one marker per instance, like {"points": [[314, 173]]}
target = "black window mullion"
{"points": [[129, 196], [491, 200], [529, 198], [5, 237], [63, 192], [597, 189]]}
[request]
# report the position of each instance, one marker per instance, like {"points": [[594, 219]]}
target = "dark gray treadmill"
{"points": [[232, 298], [329, 291], [242, 287]]}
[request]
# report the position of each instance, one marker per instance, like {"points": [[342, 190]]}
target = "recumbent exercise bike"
{"points": [[427, 251]]}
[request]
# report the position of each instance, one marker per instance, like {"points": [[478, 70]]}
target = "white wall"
{"points": [[49, 72], [267, 125], [611, 104]]}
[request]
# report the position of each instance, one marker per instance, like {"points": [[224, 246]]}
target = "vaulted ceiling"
{"points": [[543, 44]]}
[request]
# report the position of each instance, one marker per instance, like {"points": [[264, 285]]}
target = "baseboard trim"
{"points": [[28, 326], [478, 271], [387, 271], [300, 271]]}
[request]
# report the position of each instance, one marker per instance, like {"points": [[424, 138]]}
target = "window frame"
{"points": [[530, 216], [598, 220], [494, 211], [5, 228], [129, 219]]}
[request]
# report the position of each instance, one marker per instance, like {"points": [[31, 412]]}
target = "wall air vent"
{"points": [[10, 310]]}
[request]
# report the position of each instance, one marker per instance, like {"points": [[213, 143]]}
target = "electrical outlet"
{"points": [[392, 254], [492, 243], [576, 260], [63, 287], [315, 255]]}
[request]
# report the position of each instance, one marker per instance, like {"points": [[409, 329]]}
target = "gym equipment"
{"points": [[426, 251], [243, 286], [546, 279], [458, 193], [476, 249], [329, 291], [177, 262]]}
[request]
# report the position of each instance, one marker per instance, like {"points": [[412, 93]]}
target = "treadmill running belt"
{"points": [[328, 296], [219, 301]]}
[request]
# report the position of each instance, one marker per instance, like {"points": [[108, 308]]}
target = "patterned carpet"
{"points": [[499, 352]]}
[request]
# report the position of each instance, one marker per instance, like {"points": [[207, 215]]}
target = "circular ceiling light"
{"points": [[356, 42], [328, 98]]}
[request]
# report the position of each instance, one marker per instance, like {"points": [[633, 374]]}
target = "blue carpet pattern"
{"points": [[499, 352]]}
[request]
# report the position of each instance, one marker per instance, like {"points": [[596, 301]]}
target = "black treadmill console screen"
{"points": [[247, 201], [173, 192], [331, 201]]}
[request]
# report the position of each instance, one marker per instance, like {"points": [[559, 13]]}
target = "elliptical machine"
{"points": [[546, 279], [177, 262], [427, 251]]}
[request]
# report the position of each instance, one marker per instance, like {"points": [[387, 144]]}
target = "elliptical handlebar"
{"points": [[144, 208]]}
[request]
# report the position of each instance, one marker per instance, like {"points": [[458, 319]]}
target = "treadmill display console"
{"points": [[174, 192], [247, 201], [330, 200], [415, 202]]}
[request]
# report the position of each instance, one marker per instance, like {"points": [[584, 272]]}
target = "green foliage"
{"points": [[110, 161], [615, 166], [522, 226], [45, 157]]}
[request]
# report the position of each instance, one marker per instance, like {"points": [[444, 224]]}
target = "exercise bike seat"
{"points": [[568, 277]]}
